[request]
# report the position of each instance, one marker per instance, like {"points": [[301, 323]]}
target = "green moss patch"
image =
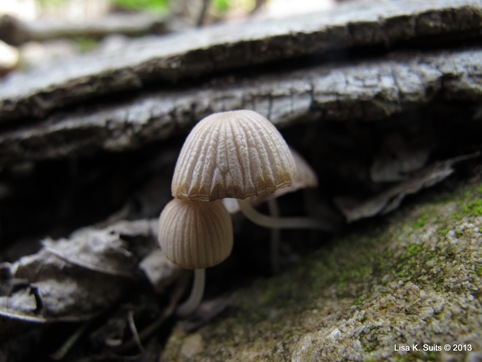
{"points": [[415, 279]]}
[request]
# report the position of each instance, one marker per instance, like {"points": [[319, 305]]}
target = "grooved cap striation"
{"points": [[195, 235], [236, 154]]}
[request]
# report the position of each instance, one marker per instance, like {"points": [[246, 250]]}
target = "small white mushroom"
{"points": [[236, 154], [305, 178], [195, 235]]}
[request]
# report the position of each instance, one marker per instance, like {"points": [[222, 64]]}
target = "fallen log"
{"points": [[366, 91], [163, 61], [17, 32]]}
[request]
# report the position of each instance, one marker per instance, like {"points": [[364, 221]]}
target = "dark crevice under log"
{"points": [[135, 184], [56, 197]]}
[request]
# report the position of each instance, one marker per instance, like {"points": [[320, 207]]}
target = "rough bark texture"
{"points": [[161, 62], [366, 91]]}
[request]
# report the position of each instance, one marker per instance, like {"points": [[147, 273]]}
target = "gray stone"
{"points": [[415, 281]]}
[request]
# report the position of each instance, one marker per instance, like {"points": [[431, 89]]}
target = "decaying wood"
{"points": [[164, 61], [366, 91]]}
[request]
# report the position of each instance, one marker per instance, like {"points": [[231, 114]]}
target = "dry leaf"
{"points": [[391, 198], [75, 279], [45, 288]]}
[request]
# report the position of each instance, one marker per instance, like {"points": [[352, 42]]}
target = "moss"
{"points": [[474, 208], [417, 357], [86, 44], [358, 301], [443, 231], [413, 250], [471, 204], [421, 221], [370, 347], [407, 358], [413, 278]]}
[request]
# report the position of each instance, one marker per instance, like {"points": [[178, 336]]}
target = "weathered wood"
{"points": [[164, 61], [367, 91]]}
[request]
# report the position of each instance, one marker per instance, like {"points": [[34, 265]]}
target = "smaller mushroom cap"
{"points": [[305, 178], [235, 154], [195, 235]]}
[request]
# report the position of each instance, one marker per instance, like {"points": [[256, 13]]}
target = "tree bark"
{"points": [[367, 91], [162, 62]]}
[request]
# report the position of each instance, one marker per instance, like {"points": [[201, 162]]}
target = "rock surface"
{"points": [[415, 279]]}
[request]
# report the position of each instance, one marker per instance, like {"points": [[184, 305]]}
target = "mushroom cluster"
{"points": [[235, 154]]}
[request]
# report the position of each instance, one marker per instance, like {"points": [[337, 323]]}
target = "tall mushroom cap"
{"points": [[235, 154], [195, 235]]}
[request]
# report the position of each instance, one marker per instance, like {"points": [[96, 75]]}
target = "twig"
{"points": [[69, 343], [150, 329], [202, 15], [132, 326]]}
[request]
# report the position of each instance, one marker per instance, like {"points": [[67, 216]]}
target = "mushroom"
{"points": [[236, 154], [195, 235], [305, 178]]}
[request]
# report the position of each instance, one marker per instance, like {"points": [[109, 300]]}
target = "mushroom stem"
{"points": [[277, 222], [275, 235], [196, 295]]}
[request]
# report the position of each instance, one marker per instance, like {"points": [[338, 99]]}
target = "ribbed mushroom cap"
{"points": [[234, 154], [305, 178], [195, 235]]}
